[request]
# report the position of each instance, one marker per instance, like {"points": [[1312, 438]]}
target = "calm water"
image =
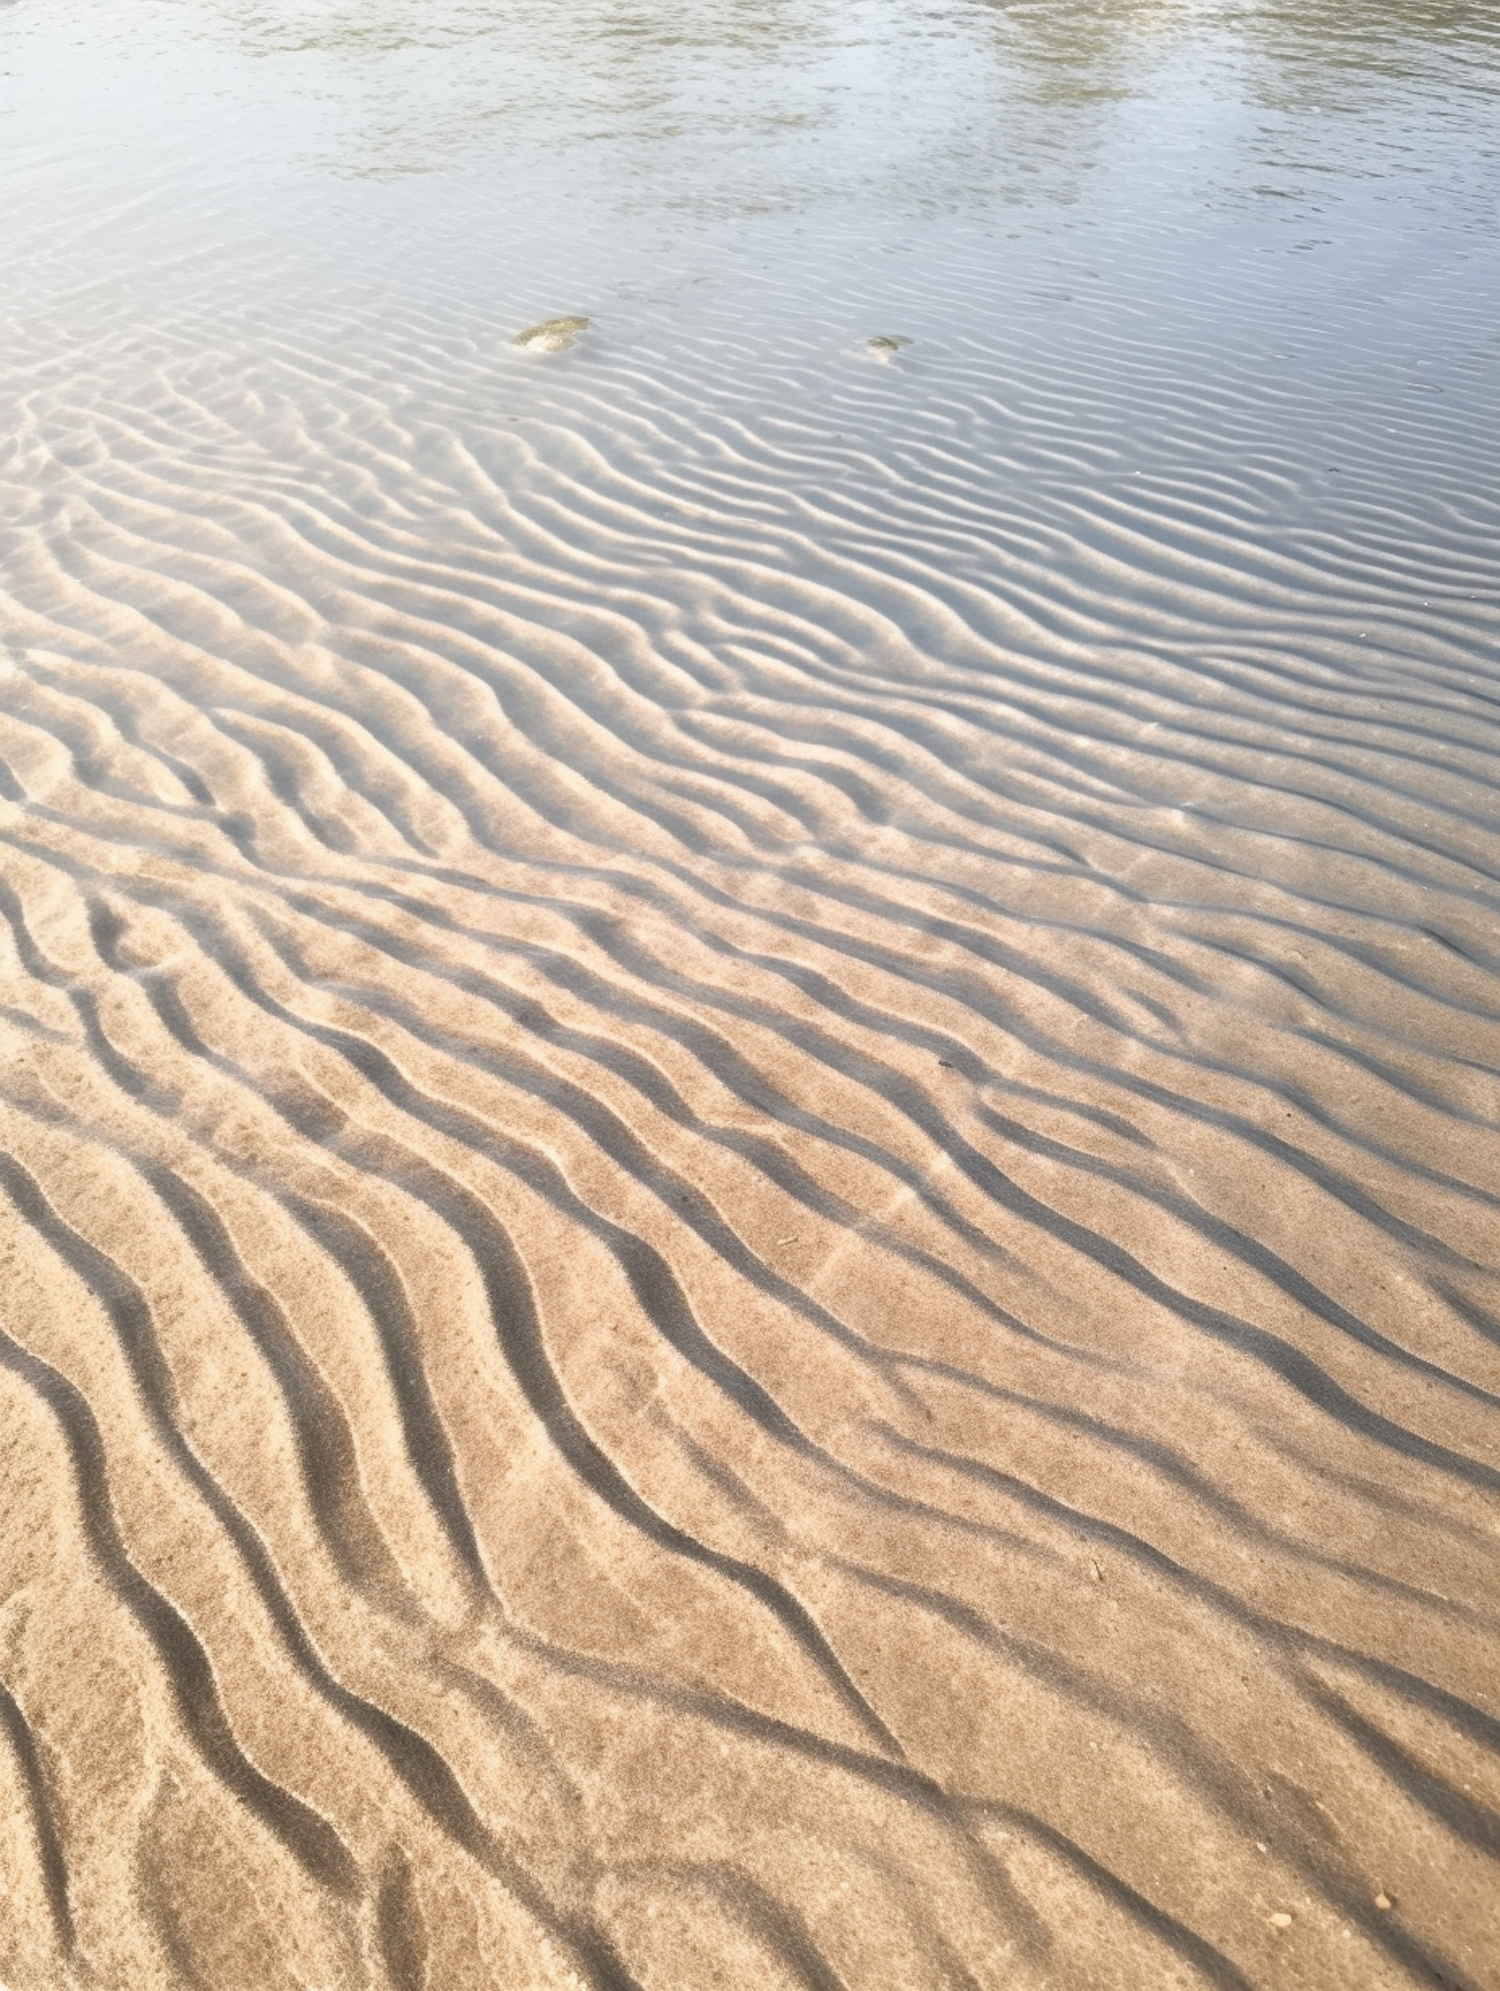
{"points": [[1255, 243], [1328, 169]]}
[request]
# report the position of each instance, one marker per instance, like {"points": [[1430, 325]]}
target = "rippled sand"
{"points": [[751, 1102]]}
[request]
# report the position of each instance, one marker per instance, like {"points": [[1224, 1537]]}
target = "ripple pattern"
{"points": [[750, 1167]]}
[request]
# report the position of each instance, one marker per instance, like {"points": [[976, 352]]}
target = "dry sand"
{"points": [[750, 1168]]}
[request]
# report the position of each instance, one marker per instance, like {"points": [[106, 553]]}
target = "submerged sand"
{"points": [[749, 1157]]}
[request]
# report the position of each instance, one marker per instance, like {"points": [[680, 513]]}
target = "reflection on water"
{"points": [[729, 107]]}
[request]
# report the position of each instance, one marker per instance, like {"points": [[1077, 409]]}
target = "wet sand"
{"points": [[750, 1054]]}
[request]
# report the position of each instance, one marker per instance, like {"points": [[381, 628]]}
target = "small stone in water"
{"points": [[1281, 1921], [553, 335]]}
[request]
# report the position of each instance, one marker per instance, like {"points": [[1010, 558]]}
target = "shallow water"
{"points": [[749, 994]]}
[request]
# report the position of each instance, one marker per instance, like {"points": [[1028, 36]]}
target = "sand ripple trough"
{"points": [[751, 1145]]}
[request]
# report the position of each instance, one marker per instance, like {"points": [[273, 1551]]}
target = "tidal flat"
{"points": [[749, 995]]}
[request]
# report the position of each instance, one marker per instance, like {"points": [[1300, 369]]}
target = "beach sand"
{"points": [[749, 1111]]}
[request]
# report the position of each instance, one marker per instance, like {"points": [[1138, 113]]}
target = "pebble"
{"points": [[553, 335], [1281, 1920]]}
